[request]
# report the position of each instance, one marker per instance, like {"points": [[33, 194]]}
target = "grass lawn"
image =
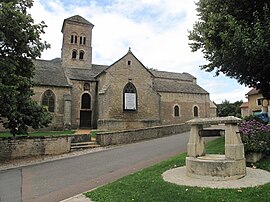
{"points": [[147, 185], [38, 134]]}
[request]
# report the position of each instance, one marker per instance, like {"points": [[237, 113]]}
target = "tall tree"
{"points": [[20, 42], [234, 37]]}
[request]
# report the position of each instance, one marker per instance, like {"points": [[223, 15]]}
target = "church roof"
{"points": [[50, 73], [173, 75], [174, 86], [85, 74], [78, 19]]}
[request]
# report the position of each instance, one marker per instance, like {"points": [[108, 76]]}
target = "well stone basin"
{"points": [[215, 168]]}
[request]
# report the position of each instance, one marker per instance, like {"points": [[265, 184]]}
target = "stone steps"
{"points": [[83, 145]]}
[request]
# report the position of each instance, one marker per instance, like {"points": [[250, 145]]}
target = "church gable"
{"points": [[126, 94], [129, 65]]}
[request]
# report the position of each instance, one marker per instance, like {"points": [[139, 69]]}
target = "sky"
{"points": [[155, 30]]}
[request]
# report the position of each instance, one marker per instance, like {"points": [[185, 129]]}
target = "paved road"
{"points": [[57, 180]]}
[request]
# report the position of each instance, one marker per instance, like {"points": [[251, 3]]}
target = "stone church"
{"points": [[123, 95]]}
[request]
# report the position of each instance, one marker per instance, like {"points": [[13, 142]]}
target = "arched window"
{"points": [[74, 54], [130, 97], [84, 40], [81, 55], [86, 101], [176, 111], [195, 111], [48, 100]]}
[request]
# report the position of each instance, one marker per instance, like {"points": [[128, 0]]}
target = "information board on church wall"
{"points": [[130, 101]]}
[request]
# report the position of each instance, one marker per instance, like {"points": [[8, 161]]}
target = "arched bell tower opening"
{"points": [[77, 42]]}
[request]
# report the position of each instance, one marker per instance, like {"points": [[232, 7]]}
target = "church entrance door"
{"points": [[85, 119]]}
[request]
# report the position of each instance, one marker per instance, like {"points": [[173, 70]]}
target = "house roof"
{"points": [[174, 86], [50, 73], [244, 105], [253, 91]]}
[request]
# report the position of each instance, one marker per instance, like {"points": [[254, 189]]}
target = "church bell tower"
{"points": [[77, 42]]}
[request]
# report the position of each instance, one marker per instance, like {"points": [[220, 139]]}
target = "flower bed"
{"points": [[255, 136]]}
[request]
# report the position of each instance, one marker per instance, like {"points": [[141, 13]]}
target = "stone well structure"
{"points": [[230, 166]]}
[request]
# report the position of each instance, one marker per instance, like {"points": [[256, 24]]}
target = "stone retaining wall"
{"points": [[134, 135], [33, 146]]}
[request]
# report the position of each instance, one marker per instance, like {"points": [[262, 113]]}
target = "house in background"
{"points": [[256, 104], [123, 95]]}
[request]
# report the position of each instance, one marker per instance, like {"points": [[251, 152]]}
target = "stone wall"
{"points": [[33, 146], [130, 136]]}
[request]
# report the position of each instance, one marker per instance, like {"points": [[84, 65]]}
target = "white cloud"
{"points": [[156, 31]]}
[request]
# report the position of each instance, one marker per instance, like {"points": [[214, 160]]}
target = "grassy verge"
{"points": [[147, 185], [39, 134]]}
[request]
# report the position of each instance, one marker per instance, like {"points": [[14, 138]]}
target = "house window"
{"points": [[86, 101], [130, 97], [75, 40], [176, 111], [48, 100], [195, 111], [129, 62], [74, 54], [84, 40], [81, 55], [259, 101]]}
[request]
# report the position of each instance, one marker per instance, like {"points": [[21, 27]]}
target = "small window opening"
{"points": [[129, 62], [196, 111], [176, 111], [86, 87], [74, 54], [81, 55], [84, 40], [81, 39], [76, 39], [72, 39]]}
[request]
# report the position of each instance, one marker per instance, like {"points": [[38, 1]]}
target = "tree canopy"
{"points": [[229, 109], [20, 42], [234, 37]]}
